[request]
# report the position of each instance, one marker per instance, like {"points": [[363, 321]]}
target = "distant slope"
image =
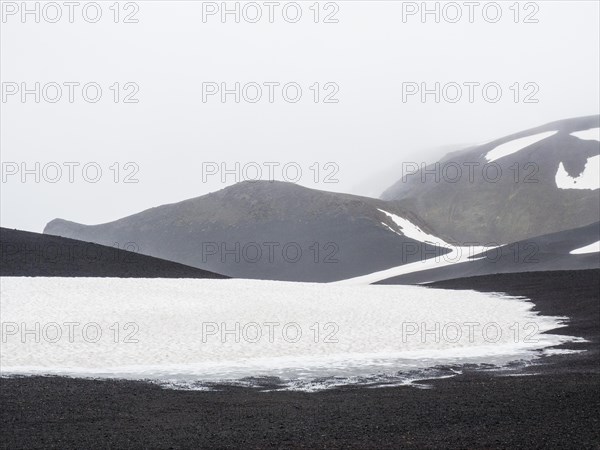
{"points": [[25, 254], [543, 253], [534, 182], [267, 230]]}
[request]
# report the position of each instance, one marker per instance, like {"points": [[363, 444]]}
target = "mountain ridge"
{"points": [[335, 235], [524, 202]]}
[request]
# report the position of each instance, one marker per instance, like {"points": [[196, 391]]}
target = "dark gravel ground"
{"points": [[554, 404]]}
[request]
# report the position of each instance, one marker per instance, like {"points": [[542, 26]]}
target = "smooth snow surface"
{"points": [[360, 330], [516, 145], [593, 134], [588, 179], [592, 248]]}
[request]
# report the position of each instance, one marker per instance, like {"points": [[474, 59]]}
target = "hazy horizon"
{"points": [[359, 141]]}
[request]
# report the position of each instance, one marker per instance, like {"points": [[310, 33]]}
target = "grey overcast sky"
{"points": [[170, 134]]}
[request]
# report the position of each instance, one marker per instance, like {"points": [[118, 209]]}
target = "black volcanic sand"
{"points": [[26, 254], [553, 404]]}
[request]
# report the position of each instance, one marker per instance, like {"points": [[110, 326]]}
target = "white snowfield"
{"points": [[508, 148], [592, 248], [588, 179], [593, 134], [186, 329], [455, 255]]}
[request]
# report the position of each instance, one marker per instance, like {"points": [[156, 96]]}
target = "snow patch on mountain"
{"points": [[588, 179], [592, 248], [412, 231], [508, 148], [593, 134], [456, 255]]}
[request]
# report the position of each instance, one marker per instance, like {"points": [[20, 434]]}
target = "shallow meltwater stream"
{"points": [[191, 333]]}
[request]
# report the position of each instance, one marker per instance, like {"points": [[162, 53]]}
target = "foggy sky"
{"points": [[170, 132]]}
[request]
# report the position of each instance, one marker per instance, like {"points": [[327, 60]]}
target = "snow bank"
{"points": [[203, 329]]}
